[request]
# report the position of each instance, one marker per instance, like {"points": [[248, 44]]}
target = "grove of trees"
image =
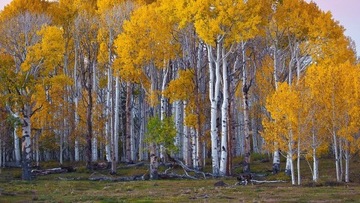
{"points": [[145, 80]]}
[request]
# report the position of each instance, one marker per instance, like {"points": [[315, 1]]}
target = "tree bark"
{"points": [[179, 126], [16, 147], [1, 153], [186, 140], [26, 143], [89, 135], [108, 120], [276, 155], [245, 94], [153, 163], [115, 133], [224, 116], [76, 102], [347, 162], [214, 89], [128, 123]]}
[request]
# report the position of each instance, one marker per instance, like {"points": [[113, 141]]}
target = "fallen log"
{"points": [[48, 171], [268, 181], [102, 177], [132, 165]]}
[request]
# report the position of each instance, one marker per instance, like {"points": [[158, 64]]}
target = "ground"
{"points": [[75, 187]]}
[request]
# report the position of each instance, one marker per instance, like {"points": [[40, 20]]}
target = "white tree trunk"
{"points": [[347, 162], [290, 158], [108, 120], [194, 148], [315, 166], [186, 141], [128, 129], [214, 90], [94, 148], [163, 105], [26, 143], [61, 147], [179, 126], [132, 135], [288, 165], [16, 147], [116, 120], [76, 115], [340, 158], [224, 117], [336, 154], [245, 94], [276, 155], [276, 159], [142, 152]]}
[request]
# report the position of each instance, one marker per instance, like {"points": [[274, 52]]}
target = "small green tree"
{"points": [[160, 132]]}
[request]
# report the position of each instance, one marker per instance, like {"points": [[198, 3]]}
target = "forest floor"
{"points": [[76, 186]]}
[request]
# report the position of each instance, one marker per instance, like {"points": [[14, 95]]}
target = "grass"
{"points": [[75, 187]]}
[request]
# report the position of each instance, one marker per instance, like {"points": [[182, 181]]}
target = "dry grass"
{"points": [[74, 187]]}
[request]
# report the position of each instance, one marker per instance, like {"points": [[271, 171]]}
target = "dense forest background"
{"points": [[126, 81]]}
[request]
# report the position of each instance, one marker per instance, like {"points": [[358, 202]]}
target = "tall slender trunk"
{"points": [[298, 161], [245, 94], [276, 155], [341, 150], [224, 116], [132, 136], [200, 89], [76, 102], [108, 120], [61, 148], [214, 90], [26, 143], [179, 126], [186, 140], [347, 161], [315, 159], [194, 148], [16, 147], [89, 135], [142, 152], [115, 134], [336, 154], [290, 156], [37, 147], [230, 142], [128, 123], [163, 105]]}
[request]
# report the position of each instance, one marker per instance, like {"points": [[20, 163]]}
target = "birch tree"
{"points": [[19, 34], [221, 24], [151, 34], [112, 15]]}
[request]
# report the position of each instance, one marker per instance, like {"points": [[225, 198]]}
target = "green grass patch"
{"points": [[75, 187]]}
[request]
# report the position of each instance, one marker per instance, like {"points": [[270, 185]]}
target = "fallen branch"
{"points": [[186, 168], [175, 176]]}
